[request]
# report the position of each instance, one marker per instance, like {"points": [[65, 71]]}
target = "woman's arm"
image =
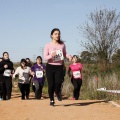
{"points": [[1, 67], [16, 72], [47, 56]]}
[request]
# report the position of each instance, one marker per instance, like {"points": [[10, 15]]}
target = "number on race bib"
{"points": [[59, 56], [39, 74], [7, 73], [76, 74]]}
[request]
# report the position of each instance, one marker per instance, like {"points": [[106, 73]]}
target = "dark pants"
{"points": [[54, 75], [7, 88], [33, 88], [24, 89], [30, 82], [77, 86], [1, 88], [38, 89]]}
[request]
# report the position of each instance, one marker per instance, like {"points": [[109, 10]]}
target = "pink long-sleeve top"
{"points": [[49, 48]]}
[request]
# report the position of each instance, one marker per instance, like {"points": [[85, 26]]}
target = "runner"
{"points": [[76, 77], [6, 70], [29, 64], [23, 71], [38, 71], [64, 73], [54, 53], [1, 83]]}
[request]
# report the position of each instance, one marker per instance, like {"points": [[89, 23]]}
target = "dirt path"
{"points": [[17, 109]]}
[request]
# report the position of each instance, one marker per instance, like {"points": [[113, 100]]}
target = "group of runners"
{"points": [[54, 70]]}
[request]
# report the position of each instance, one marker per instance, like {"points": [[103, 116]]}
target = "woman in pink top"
{"points": [[76, 78], [54, 53]]}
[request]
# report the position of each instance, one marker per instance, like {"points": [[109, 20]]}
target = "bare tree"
{"points": [[102, 33]]}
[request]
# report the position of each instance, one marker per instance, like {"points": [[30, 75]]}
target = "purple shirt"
{"points": [[39, 73]]}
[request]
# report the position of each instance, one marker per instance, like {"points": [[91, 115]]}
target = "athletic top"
{"points": [[76, 70], [24, 74], [6, 72], [60, 51], [39, 73]]}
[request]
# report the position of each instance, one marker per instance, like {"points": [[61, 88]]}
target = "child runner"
{"points": [[23, 71], [76, 77], [38, 71], [54, 53]]}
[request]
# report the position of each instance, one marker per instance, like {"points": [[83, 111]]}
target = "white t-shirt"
{"points": [[23, 74]]}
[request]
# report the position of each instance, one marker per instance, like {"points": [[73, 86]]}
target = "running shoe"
{"points": [[52, 103]]}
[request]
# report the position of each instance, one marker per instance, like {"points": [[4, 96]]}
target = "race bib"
{"points": [[59, 56], [76, 74], [39, 74], [7, 73]]}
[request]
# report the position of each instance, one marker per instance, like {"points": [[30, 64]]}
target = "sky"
{"points": [[25, 25]]}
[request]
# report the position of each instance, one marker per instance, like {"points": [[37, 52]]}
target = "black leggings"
{"points": [[24, 89], [77, 86], [7, 88], [1, 88], [54, 75]]}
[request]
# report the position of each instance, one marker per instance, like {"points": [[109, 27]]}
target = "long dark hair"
{"points": [[5, 53], [40, 58], [56, 29], [23, 60], [29, 64], [74, 56]]}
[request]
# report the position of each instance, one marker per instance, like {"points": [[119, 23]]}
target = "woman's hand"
{"points": [[70, 58], [53, 54], [32, 73], [6, 66]]}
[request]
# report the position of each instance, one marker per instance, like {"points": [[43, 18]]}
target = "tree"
{"points": [[102, 33], [87, 57], [116, 57]]}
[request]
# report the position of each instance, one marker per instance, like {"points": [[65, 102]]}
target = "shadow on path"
{"points": [[84, 103]]}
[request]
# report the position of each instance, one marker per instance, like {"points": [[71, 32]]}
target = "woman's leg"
{"points": [[8, 85], [4, 90], [27, 90], [40, 89], [79, 83], [33, 87], [58, 81], [75, 89], [1, 89], [22, 90], [37, 89], [51, 81]]}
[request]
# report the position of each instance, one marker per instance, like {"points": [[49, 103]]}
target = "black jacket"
{"points": [[5, 62]]}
